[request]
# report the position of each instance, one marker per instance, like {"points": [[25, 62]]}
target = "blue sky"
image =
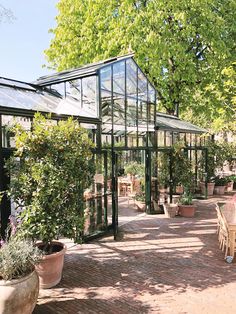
{"points": [[24, 39]]}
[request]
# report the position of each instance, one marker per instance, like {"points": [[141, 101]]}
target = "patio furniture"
{"points": [[227, 229]]}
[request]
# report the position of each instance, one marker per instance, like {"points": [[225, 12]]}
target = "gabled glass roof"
{"points": [[83, 71], [167, 122]]}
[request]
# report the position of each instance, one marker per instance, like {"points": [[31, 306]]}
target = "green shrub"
{"points": [[50, 169]]}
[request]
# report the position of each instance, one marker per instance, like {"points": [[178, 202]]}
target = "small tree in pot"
{"points": [[186, 207], [51, 168]]}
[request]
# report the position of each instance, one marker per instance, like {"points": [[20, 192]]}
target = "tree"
{"points": [[5, 14], [182, 46]]}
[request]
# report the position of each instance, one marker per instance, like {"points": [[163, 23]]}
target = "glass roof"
{"points": [[171, 123], [87, 70], [41, 100]]}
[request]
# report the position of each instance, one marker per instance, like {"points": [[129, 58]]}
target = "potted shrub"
{"points": [[220, 185], [230, 183], [19, 282], [50, 169], [186, 207]]}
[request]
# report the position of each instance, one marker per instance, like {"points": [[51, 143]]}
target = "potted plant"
{"points": [[19, 282], [50, 169], [186, 207], [220, 185], [170, 209], [230, 183]]}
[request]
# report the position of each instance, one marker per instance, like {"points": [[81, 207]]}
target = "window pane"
{"points": [[131, 78]]}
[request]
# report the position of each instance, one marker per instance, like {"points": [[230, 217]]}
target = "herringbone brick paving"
{"points": [[158, 265]]}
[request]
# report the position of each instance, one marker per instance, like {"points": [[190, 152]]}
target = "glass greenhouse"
{"points": [[117, 104]]}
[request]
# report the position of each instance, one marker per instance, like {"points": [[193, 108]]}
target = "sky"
{"points": [[24, 39]]}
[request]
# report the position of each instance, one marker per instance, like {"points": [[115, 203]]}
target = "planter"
{"points": [[141, 206], [210, 188], [19, 296], [187, 210], [220, 190], [175, 199], [179, 189], [50, 268], [230, 186], [170, 210]]}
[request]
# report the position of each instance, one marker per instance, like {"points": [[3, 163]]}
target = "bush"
{"points": [[17, 258], [220, 181], [50, 169]]}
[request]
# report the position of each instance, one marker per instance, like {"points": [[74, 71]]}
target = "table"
{"points": [[125, 181], [228, 210]]}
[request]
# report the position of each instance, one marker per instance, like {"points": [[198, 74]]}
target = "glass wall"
{"points": [[128, 104]]}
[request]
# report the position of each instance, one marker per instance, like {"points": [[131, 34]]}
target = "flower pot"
{"points": [[179, 189], [210, 188], [219, 190], [19, 296], [230, 186], [141, 206], [187, 210], [50, 268], [170, 210]]}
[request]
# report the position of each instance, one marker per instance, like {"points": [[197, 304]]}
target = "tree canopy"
{"points": [[185, 47]]}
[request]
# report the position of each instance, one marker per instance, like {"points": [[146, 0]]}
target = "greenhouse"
{"points": [[117, 104]]}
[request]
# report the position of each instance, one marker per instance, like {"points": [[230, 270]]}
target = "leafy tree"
{"points": [[182, 46]]}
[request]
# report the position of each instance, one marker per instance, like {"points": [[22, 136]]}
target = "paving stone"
{"points": [[158, 265]]}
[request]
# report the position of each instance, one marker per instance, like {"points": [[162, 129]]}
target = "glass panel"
{"points": [[58, 89], [131, 112], [142, 86], [119, 110], [105, 76], [73, 91], [142, 112], [131, 78], [119, 78], [132, 139], [168, 138], [160, 140], [142, 139], [89, 94]]}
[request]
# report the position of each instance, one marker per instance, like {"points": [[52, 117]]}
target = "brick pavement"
{"points": [[158, 265]]}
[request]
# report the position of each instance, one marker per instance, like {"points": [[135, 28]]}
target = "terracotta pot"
{"points": [[170, 210], [179, 189], [230, 186], [50, 268], [19, 296], [210, 188], [187, 210], [141, 206], [220, 190]]}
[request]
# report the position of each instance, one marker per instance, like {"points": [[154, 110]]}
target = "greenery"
{"points": [[17, 258], [190, 62], [181, 167], [220, 181], [218, 154], [135, 169], [50, 169], [231, 178], [186, 198]]}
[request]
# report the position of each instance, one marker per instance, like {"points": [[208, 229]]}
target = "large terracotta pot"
{"points": [[19, 296], [170, 210], [220, 189], [230, 186], [50, 268], [210, 188], [187, 210]]}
